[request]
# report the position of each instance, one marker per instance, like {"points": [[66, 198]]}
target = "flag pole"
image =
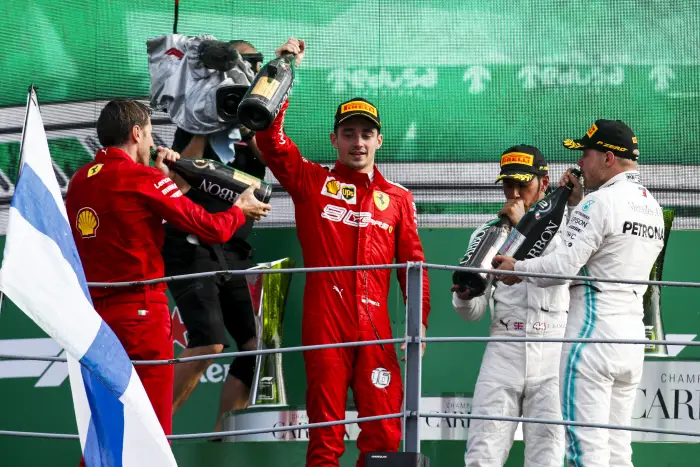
{"points": [[30, 92]]}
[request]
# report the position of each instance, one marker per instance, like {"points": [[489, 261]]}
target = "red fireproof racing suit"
{"points": [[116, 209], [343, 218]]}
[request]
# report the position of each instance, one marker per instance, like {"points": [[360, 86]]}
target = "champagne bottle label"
{"points": [[512, 243], [649, 334], [546, 237], [245, 178], [266, 88]]}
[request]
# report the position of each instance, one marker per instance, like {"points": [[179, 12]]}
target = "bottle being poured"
{"points": [[482, 249], [216, 179]]}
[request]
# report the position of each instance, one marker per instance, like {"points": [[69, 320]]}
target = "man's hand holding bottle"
{"points": [[163, 154], [514, 209], [538, 232], [577, 189], [250, 205], [295, 47], [463, 293]]}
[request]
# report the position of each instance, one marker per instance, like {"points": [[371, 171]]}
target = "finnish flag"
{"points": [[42, 274]]}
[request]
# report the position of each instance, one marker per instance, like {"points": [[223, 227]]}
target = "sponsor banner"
{"points": [[668, 397], [434, 428]]}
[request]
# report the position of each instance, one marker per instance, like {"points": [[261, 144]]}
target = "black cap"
{"points": [[357, 107], [522, 163], [607, 135]]}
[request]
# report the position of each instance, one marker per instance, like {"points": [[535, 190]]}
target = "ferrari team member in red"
{"points": [[116, 206], [348, 215]]}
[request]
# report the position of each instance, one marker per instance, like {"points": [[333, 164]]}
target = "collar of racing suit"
{"points": [[112, 153], [360, 178], [630, 175]]}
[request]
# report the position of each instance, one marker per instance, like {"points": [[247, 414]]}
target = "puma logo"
{"points": [[340, 291], [505, 323]]}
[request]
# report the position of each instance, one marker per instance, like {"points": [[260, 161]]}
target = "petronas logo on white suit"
{"points": [[381, 377]]}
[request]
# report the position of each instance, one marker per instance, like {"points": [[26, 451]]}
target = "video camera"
{"points": [[198, 80]]}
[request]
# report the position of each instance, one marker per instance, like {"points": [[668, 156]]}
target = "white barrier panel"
{"points": [[431, 428]]}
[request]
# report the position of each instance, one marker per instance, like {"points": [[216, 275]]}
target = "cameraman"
{"points": [[213, 305]]}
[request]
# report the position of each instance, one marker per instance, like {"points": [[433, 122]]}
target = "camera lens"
{"points": [[227, 100], [229, 106]]}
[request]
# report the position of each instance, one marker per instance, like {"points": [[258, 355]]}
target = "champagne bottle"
{"points": [[539, 225], [216, 179], [480, 253], [269, 90], [653, 324]]}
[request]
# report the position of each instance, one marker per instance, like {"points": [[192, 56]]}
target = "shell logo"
{"points": [[87, 222], [333, 187]]}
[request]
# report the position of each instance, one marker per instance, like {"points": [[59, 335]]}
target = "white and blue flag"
{"points": [[42, 274]]}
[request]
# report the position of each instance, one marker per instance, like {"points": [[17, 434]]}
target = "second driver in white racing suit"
{"points": [[518, 378]]}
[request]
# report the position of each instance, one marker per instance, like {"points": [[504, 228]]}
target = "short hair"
{"points": [[238, 42], [117, 119]]}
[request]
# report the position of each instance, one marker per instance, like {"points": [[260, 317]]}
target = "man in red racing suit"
{"points": [[116, 206], [349, 215]]}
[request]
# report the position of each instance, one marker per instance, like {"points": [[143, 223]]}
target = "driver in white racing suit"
{"points": [[518, 378], [616, 232]]}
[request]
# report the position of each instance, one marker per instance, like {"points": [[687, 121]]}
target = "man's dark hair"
{"points": [[238, 42], [117, 119]]}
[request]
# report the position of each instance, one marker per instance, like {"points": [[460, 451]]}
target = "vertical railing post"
{"points": [[412, 388]]}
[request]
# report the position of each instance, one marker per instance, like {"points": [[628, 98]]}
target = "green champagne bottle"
{"points": [[216, 179], [270, 88]]}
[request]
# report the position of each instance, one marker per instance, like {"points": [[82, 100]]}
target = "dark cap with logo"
{"points": [[357, 107], [607, 135], [522, 163]]}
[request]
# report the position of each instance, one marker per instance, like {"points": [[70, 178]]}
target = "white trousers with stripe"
{"points": [[599, 381]]}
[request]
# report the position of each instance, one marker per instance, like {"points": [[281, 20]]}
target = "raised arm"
{"points": [[284, 159]]}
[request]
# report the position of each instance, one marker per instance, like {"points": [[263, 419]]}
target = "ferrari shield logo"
{"points": [[381, 200], [94, 170]]}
